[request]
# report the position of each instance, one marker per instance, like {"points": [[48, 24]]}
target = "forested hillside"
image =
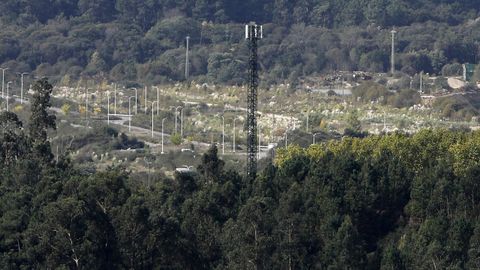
{"points": [[383, 202], [325, 13], [143, 41]]}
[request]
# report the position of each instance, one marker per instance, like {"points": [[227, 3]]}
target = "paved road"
{"points": [[135, 130], [123, 121]]}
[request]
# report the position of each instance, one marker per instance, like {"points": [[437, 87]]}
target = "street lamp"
{"points": [[286, 138], [163, 120], [130, 114], [115, 98], [86, 103], [392, 57], [108, 107], [176, 114], [8, 86], [136, 99], [308, 118], [152, 116], [384, 120], [158, 99], [223, 135], [181, 121], [146, 99], [314, 135], [149, 163], [3, 80], [259, 142], [234, 133], [186, 60], [21, 87]]}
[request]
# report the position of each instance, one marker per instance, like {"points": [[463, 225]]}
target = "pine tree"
{"points": [[41, 120], [474, 248], [348, 247], [12, 139], [391, 259], [211, 166]]}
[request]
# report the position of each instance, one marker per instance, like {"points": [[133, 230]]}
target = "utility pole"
{"points": [[308, 116], [253, 33], [176, 118], [187, 71], [163, 120], [181, 122], [86, 104], [136, 100], [115, 99], [108, 107], [130, 114], [286, 138], [21, 86], [393, 52], [8, 86], [152, 116], [158, 99], [421, 82], [315, 134], [234, 133], [384, 120], [223, 135], [145, 94], [3, 80]]}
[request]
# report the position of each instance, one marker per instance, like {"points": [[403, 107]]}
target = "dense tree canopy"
{"points": [[335, 13], [383, 202], [144, 41]]}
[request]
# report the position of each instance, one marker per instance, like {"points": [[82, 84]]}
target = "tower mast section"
{"points": [[253, 33]]}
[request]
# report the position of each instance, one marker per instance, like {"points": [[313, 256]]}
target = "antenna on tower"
{"points": [[253, 33]]}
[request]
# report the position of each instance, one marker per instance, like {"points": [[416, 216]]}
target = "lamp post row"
{"points": [[136, 110], [146, 106], [129, 107], [5, 91]]}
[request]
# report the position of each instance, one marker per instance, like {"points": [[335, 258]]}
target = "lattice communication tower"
{"points": [[253, 33]]}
